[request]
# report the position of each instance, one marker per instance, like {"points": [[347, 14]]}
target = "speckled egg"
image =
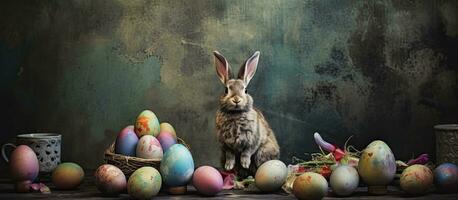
{"points": [[110, 180], [416, 179], [67, 176], [177, 166], [207, 180], [446, 177], [166, 139], [144, 183], [168, 128], [23, 164], [149, 147], [377, 165], [147, 124], [271, 175], [310, 185], [344, 180], [126, 142]]}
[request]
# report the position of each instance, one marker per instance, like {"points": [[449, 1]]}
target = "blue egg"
{"points": [[126, 142], [446, 177], [177, 166]]}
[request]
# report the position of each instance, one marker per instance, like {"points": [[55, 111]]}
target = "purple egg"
{"points": [[446, 177], [126, 142], [166, 139]]}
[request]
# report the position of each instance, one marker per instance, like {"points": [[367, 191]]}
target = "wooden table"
{"points": [[88, 191]]}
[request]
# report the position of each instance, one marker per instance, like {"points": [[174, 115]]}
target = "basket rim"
{"points": [[111, 153]]}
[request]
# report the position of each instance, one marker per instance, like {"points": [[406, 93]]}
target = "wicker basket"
{"points": [[129, 164]]}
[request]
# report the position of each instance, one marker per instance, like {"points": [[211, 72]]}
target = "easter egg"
{"points": [[166, 139], [23, 164], [147, 124], [144, 183], [377, 166], [168, 128], [177, 166], [271, 175], [344, 180], [207, 180], [446, 177], [110, 180], [67, 176], [126, 142], [416, 179], [310, 185], [149, 147]]}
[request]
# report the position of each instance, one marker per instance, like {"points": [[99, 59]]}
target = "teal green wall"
{"points": [[373, 69]]}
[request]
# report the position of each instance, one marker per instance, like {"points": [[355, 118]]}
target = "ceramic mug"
{"points": [[45, 145]]}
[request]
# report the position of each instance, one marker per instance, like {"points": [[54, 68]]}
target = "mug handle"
{"points": [[3, 150]]}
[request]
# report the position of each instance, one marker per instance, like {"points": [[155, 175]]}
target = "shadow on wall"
{"points": [[85, 69]]}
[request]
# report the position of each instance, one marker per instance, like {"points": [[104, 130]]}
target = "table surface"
{"points": [[88, 191]]}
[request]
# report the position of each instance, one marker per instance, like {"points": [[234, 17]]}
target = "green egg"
{"points": [[144, 183]]}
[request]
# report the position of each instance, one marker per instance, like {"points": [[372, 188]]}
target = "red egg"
{"points": [[207, 180], [24, 164]]}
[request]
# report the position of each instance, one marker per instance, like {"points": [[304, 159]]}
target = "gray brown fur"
{"points": [[246, 138]]}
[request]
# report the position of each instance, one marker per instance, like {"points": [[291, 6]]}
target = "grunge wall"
{"points": [[372, 69]]}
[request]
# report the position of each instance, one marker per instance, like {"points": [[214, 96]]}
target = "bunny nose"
{"points": [[236, 100]]}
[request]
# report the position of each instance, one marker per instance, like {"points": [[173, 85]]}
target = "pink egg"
{"points": [[24, 164], [166, 139], [207, 180]]}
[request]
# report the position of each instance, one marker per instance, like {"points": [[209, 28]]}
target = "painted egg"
{"points": [[166, 139], [310, 185], [446, 177], [110, 180], [207, 180], [149, 147], [344, 180], [147, 124], [416, 179], [67, 176], [144, 183], [168, 128], [377, 165], [271, 175], [24, 164], [177, 166], [126, 142]]}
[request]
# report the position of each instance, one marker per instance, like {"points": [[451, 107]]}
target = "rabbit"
{"points": [[246, 138]]}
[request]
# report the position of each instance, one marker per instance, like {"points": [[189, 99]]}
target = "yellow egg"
{"points": [[168, 128], [67, 176], [416, 179], [310, 185], [377, 166]]}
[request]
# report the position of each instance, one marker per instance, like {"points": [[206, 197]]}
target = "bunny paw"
{"points": [[245, 161], [229, 164]]}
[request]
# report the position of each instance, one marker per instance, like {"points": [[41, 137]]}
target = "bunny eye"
{"points": [[226, 90], [246, 91]]}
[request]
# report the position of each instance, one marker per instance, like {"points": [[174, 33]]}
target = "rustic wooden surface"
{"points": [[88, 191]]}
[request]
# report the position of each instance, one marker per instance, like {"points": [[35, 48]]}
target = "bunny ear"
{"points": [[247, 71], [222, 67]]}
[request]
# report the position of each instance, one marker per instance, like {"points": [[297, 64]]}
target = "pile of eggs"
{"points": [[148, 139]]}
